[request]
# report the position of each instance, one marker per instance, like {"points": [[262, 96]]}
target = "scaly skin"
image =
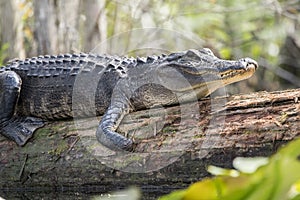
{"points": [[80, 85]]}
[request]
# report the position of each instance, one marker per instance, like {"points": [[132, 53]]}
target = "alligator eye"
{"points": [[208, 51]]}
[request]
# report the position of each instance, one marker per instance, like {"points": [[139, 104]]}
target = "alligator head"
{"points": [[202, 72]]}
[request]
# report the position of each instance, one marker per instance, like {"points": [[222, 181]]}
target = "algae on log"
{"points": [[180, 140]]}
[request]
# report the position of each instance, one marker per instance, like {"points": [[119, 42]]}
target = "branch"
{"points": [[174, 145]]}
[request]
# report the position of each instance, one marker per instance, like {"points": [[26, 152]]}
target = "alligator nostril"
{"points": [[250, 61]]}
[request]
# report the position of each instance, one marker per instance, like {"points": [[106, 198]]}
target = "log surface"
{"points": [[174, 145]]}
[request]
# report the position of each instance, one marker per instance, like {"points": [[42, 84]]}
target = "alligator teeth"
{"points": [[229, 73]]}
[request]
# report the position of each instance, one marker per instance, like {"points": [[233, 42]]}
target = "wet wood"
{"points": [[174, 145]]}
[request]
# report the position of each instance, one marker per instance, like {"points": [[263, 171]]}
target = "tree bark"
{"points": [[174, 145]]}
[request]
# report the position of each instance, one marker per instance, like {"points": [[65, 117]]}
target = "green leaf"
{"points": [[249, 165], [277, 179], [177, 195], [294, 193], [3, 53], [225, 53]]}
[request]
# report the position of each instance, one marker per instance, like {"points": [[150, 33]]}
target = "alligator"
{"points": [[54, 87]]}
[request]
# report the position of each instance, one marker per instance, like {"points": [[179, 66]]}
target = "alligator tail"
{"points": [[113, 140]]}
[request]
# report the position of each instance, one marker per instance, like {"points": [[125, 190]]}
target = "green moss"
{"points": [[283, 117], [198, 136], [135, 158], [247, 132], [169, 129], [43, 132], [63, 146]]}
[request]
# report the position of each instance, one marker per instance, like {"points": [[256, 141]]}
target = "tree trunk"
{"points": [[174, 145], [42, 16], [11, 33]]}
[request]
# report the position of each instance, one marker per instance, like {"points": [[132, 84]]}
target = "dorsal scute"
{"points": [[198, 54], [72, 64], [151, 59], [174, 56], [141, 60]]}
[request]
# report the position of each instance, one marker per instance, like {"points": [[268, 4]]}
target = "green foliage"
{"points": [[279, 179], [3, 53], [231, 28]]}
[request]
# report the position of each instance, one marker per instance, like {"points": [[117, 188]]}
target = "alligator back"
{"points": [[48, 83]]}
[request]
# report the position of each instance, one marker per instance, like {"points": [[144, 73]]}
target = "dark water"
{"points": [[147, 193]]}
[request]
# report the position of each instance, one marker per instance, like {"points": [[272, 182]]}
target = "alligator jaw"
{"points": [[206, 78], [244, 69], [230, 72]]}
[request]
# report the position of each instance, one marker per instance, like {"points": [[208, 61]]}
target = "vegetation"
{"points": [[3, 53], [276, 179]]}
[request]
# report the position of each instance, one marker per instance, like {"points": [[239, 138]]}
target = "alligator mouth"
{"points": [[231, 76], [205, 80], [212, 80]]}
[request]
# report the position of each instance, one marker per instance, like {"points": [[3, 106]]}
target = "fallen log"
{"points": [[174, 145]]}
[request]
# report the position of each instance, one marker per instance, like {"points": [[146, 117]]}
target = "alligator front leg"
{"points": [[17, 128], [106, 135]]}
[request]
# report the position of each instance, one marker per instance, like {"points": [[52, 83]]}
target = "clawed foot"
{"points": [[21, 129]]}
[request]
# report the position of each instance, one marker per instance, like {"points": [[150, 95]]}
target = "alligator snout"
{"points": [[249, 62]]}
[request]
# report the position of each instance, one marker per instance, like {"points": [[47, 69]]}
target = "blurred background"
{"points": [[267, 31]]}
